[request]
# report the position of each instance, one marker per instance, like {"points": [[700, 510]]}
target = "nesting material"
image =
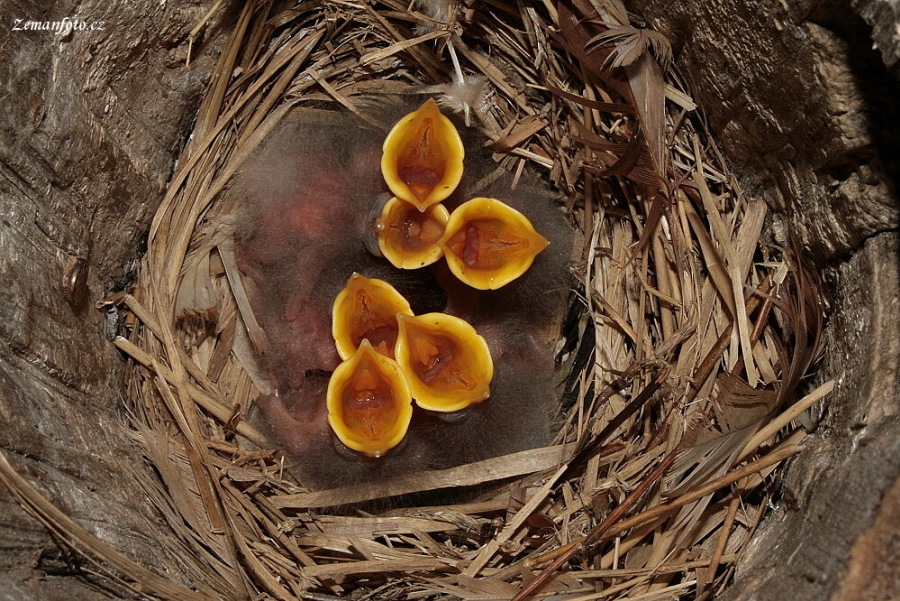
{"points": [[305, 208], [677, 373]]}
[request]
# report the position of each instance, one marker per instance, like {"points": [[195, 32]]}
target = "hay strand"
{"points": [[683, 326]]}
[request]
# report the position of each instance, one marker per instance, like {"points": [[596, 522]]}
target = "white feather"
{"points": [[467, 96]]}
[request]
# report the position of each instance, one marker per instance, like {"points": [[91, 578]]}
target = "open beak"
{"points": [[488, 244], [422, 157], [366, 309], [448, 364], [407, 237], [369, 402]]}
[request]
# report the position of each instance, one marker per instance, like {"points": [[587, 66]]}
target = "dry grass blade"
{"points": [[783, 420], [630, 43], [583, 27], [202, 399], [500, 468], [627, 504], [74, 535], [243, 303], [687, 335]]}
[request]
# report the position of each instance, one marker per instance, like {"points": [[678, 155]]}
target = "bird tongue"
{"points": [[368, 411], [420, 179]]}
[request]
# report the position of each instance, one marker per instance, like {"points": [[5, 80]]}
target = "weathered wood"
{"points": [[806, 110], [882, 17], [803, 106], [91, 126]]}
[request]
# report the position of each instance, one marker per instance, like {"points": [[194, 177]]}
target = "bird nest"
{"points": [[680, 359]]}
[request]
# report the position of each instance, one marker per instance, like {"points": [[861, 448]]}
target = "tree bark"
{"points": [[802, 97], [92, 124], [802, 104]]}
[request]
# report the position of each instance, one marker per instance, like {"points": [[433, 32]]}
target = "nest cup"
{"points": [[678, 363]]}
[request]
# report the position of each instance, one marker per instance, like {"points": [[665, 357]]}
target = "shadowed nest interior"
{"points": [[683, 350]]}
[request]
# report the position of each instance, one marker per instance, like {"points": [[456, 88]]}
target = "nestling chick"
{"points": [[308, 196]]}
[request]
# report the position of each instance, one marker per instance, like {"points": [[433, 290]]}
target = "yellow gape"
{"points": [[488, 244], [408, 237], [422, 157], [366, 309], [369, 402], [448, 364]]}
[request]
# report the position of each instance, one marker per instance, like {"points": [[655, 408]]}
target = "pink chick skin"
{"points": [[307, 200]]}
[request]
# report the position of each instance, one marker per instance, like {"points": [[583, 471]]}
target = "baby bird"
{"points": [[310, 196]]}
